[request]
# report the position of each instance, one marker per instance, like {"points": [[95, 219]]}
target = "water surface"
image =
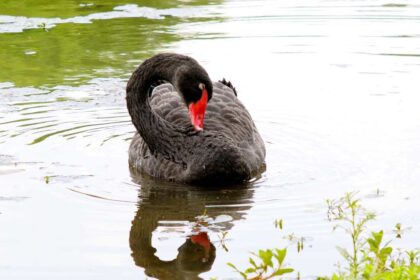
{"points": [[332, 86]]}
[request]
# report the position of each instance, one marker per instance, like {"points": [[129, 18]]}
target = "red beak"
{"points": [[203, 240], [197, 111]]}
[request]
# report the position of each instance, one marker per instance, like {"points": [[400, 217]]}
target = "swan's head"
{"points": [[196, 255], [196, 88]]}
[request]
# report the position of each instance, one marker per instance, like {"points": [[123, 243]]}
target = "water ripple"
{"points": [[13, 24], [69, 112]]}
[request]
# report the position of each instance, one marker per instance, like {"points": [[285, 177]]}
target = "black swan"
{"points": [[203, 135]]}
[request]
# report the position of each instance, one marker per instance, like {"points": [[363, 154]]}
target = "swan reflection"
{"points": [[163, 204]]}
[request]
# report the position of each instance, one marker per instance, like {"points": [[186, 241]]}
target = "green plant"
{"points": [[293, 238], [222, 240], [278, 223], [349, 215], [370, 258], [266, 268], [377, 255]]}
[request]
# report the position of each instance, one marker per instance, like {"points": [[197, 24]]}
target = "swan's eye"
{"points": [[201, 86]]}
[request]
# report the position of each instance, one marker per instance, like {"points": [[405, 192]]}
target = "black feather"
{"points": [[229, 84]]}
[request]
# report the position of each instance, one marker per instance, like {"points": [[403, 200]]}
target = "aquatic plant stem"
{"points": [[354, 236]]}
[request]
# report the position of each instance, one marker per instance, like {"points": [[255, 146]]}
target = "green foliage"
{"points": [[370, 257], [278, 223], [300, 244], [269, 266], [222, 240], [349, 215]]}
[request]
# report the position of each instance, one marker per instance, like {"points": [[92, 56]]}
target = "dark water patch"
{"points": [[69, 99], [108, 127], [35, 123], [33, 130], [395, 5], [32, 107], [31, 103], [43, 137], [34, 113], [99, 197], [15, 121], [399, 54], [113, 137], [394, 36]]}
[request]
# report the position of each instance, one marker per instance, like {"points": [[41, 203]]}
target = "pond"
{"points": [[333, 87]]}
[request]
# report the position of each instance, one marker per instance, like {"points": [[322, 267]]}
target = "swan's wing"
{"points": [[167, 103], [225, 113], [228, 84]]}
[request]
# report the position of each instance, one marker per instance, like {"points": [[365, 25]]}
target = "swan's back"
{"points": [[225, 116]]}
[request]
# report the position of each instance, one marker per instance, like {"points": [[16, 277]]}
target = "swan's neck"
{"points": [[161, 136]]}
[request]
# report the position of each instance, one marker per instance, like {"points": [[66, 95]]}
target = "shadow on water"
{"points": [[162, 203]]}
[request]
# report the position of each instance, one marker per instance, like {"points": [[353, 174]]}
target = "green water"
{"points": [[71, 53], [331, 85]]}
